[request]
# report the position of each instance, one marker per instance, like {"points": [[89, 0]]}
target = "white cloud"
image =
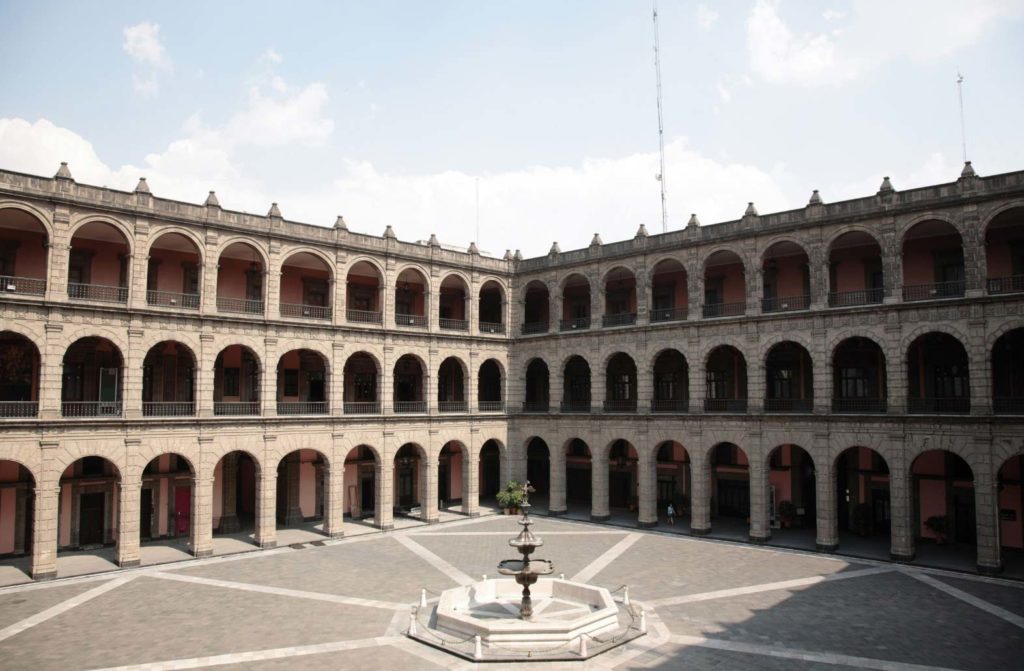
{"points": [[724, 93], [271, 56], [706, 17], [142, 44], [778, 55]]}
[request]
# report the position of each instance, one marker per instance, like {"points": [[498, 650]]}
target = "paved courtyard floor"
{"points": [[345, 605]]}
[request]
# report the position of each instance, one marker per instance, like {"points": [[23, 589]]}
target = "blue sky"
{"points": [[393, 112]]}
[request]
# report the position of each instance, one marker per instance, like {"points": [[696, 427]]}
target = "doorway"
{"points": [[92, 510]]}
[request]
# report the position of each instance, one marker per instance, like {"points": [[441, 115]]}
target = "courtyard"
{"points": [[324, 604]]}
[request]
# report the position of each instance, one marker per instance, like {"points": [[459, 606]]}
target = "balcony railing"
{"points": [[301, 407], [417, 321], [492, 327], [168, 408], [90, 408], [1005, 285], [98, 292], [621, 319], [226, 408], [1008, 405], [452, 406], [453, 324], [576, 324], [939, 406], [927, 292], [859, 405], [842, 299], [170, 299], [239, 305], [670, 405], [491, 406], [788, 405], [362, 408], [788, 304], [535, 406], [19, 408], [712, 310], [305, 311], [534, 327], [363, 317], [669, 314], [575, 407], [618, 405], [725, 405], [409, 407], [29, 286]]}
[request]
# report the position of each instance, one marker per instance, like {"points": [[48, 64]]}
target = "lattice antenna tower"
{"points": [[661, 126]]}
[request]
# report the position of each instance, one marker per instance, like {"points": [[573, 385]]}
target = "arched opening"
{"points": [[725, 285], [937, 375], [786, 278], [452, 483], [361, 385], [410, 481], [726, 375], [859, 377], [451, 304], [622, 477], [1004, 252], [620, 383], [360, 497], [19, 376], [670, 295], [167, 501], [576, 385], [451, 386], [88, 515], [933, 262], [730, 486], [17, 512], [236, 382], [488, 387], [855, 274], [91, 381], [863, 509], [240, 273], [575, 303], [671, 383], [99, 264], [538, 472], [411, 299], [673, 479], [168, 381], [235, 482], [408, 391], [302, 383], [536, 308], [536, 387], [491, 306], [173, 279], [1008, 373], [306, 287], [301, 487], [23, 253], [944, 515], [490, 471], [619, 297], [578, 466], [1011, 513], [789, 383], [792, 491], [362, 294]]}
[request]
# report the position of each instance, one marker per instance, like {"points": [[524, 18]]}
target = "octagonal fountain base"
{"points": [[571, 621]]}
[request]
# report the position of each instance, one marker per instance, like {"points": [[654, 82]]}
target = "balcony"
{"points": [[843, 299], [859, 405], [361, 408], [239, 305], [410, 407], [535, 406], [614, 405], [168, 409], [1005, 405], [27, 286], [170, 299], [302, 408], [19, 408], [305, 311], [415, 321], [1010, 284], [492, 327], [236, 408], [363, 317], [934, 291], [575, 407], [491, 406], [669, 314], [577, 324], [90, 408], [789, 304], [98, 292], [677, 405], [938, 406], [530, 328], [725, 405], [452, 406], [712, 310], [621, 319], [453, 324], [788, 405]]}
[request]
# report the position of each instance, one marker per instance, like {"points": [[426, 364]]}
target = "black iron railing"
{"points": [[98, 292], [239, 305], [859, 405], [788, 304], [168, 408], [363, 317], [620, 319], [842, 299], [725, 405], [576, 324], [305, 311], [936, 290], [669, 314], [712, 310], [30, 286]]}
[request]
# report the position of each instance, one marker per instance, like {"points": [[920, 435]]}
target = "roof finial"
{"points": [[275, 211], [694, 221], [555, 249], [433, 242], [389, 233], [641, 232], [518, 256], [815, 198], [473, 248], [63, 172], [968, 170], [508, 255], [751, 211], [142, 187], [596, 240], [886, 186], [211, 200], [339, 224]]}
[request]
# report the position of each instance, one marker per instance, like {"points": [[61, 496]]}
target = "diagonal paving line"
{"points": [[599, 564], [62, 607], [281, 591], [766, 587], [435, 561], [981, 604]]}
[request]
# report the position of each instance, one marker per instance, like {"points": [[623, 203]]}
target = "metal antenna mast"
{"points": [[478, 211], [661, 126], [960, 95]]}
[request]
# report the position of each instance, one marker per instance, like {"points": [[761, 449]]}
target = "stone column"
{"points": [[599, 486], [293, 471], [696, 378], [128, 510], [827, 539], [202, 516], [695, 296], [131, 385], [428, 495], [471, 483], [229, 497], [51, 372], [986, 505], [556, 480], [204, 375], [384, 496], [44, 532], [268, 378], [334, 498], [700, 493], [756, 387], [760, 532], [596, 302], [647, 481], [266, 508], [901, 506]]}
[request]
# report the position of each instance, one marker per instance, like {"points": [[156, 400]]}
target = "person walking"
{"points": [[671, 513]]}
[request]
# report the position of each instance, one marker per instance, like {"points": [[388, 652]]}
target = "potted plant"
{"points": [[511, 497], [861, 522], [787, 513], [937, 525]]}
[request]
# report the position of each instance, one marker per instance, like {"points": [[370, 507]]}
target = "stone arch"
{"points": [[285, 254], [118, 225], [766, 244], [249, 242], [710, 253], [775, 339], [156, 233], [905, 226], [839, 231], [44, 218]]}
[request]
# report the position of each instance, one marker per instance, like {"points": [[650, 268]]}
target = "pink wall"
{"points": [[30, 256], [1011, 497], [627, 284], [416, 291], [106, 260], [849, 267], [218, 493], [456, 299], [680, 296], [734, 288], [351, 486], [365, 282], [455, 471], [790, 277], [169, 273], [8, 517], [918, 264], [572, 295], [231, 278], [292, 285]]}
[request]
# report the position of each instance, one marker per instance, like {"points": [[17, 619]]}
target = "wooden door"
{"points": [[92, 510], [182, 509]]}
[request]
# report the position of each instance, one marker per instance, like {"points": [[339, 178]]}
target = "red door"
{"points": [[182, 509]]}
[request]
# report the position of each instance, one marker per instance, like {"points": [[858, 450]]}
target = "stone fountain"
{"points": [[526, 570]]}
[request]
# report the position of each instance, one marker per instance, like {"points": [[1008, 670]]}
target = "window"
{"points": [[365, 387], [950, 381], [291, 382], [718, 384], [8, 255], [314, 292], [361, 298], [152, 274], [665, 387], [663, 297], [618, 301], [781, 383], [725, 455], [231, 377], [72, 382], [856, 382], [190, 278], [713, 291], [621, 388], [79, 267], [254, 283]]}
